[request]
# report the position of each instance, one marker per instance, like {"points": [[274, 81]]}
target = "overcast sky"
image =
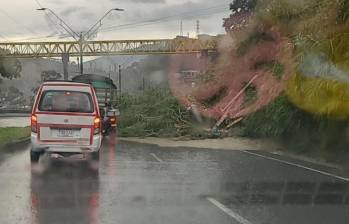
{"points": [[20, 21]]}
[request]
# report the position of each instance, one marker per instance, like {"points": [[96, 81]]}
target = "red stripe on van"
{"points": [[37, 99], [66, 113], [95, 101], [64, 125], [80, 85]]}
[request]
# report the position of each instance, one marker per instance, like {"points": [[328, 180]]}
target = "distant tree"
{"points": [[50, 75], [10, 67], [13, 90], [239, 18], [242, 5]]}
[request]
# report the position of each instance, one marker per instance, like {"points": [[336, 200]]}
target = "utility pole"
{"points": [[120, 80], [143, 82], [78, 61], [82, 36], [81, 54], [114, 71], [181, 29], [197, 28], [65, 61]]}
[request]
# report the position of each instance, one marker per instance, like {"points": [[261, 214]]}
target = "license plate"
{"points": [[65, 133]]}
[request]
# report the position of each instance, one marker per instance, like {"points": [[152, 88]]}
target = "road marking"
{"points": [[298, 165], [157, 158], [228, 211]]}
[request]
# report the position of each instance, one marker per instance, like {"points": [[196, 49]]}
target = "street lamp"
{"points": [[98, 24], [82, 36], [63, 24]]}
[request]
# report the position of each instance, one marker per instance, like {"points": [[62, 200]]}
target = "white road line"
{"points": [[157, 158], [228, 211], [298, 165]]}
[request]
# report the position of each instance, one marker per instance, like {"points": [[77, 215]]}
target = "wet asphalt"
{"points": [[137, 183]]}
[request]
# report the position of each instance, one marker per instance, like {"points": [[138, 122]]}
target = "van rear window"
{"points": [[66, 101]]}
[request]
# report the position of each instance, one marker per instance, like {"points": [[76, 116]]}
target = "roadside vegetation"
{"points": [[11, 134], [157, 113], [308, 111], [299, 131]]}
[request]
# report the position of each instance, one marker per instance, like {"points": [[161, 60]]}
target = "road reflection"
{"points": [[286, 193], [65, 193]]}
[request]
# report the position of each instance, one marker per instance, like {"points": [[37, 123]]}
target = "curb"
{"points": [[275, 152]]}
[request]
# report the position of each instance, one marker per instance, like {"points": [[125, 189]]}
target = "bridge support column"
{"points": [[65, 60]]}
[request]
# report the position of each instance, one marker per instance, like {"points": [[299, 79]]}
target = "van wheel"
{"points": [[34, 157], [95, 156]]}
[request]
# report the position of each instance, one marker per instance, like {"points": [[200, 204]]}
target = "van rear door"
{"points": [[66, 115]]}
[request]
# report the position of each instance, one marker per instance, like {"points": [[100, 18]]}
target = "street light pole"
{"points": [[63, 24], [81, 54], [98, 24], [81, 37]]}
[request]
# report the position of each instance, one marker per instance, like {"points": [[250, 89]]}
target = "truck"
{"points": [[107, 97]]}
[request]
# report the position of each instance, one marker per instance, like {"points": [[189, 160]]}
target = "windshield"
{"points": [[65, 101]]}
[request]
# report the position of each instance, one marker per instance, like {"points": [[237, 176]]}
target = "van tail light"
{"points": [[34, 124], [97, 126], [113, 121]]}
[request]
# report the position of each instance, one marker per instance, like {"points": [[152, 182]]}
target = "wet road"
{"points": [[147, 184]]}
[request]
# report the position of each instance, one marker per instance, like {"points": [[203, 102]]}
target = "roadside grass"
{"points": [[10, 134], [157, 113], [299, 131]]}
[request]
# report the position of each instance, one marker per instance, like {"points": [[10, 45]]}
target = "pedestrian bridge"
{"points": [[107, 47]]}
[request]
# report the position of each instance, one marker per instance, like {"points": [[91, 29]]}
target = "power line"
{"points": [[3, 37], [36, 38], [50, 19], [16, 21], [185, 15], [121, 27], [38, 3]]}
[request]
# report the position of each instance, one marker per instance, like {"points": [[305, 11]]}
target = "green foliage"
{"points": [[275, 67], [213, 100], [272, 121], [343, 14], [154, 113], [10, 134], [298, 129], [243, 5], [10, 68], [286, 10], [50, 75], [157, 113], [250, 94], [251, 40]]}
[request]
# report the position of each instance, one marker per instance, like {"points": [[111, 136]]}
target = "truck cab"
{"points": [[107, 97]]}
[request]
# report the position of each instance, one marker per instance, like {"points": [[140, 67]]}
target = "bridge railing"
{"points": [[107, 47]]}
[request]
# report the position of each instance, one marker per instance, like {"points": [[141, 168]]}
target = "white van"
{"points": [[65, 121]]}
